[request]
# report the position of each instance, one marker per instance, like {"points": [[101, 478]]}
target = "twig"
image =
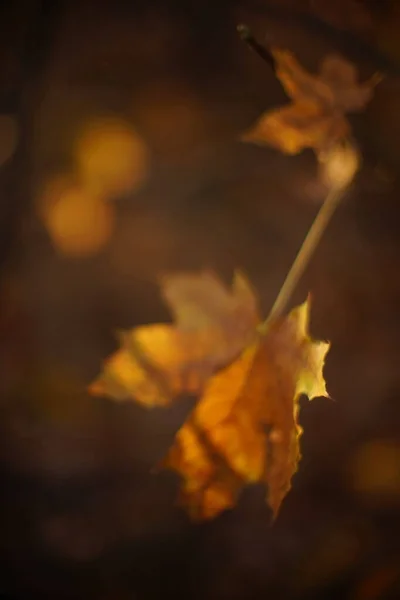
{"points": [[345, 41], [306, 251], [263, 52]]}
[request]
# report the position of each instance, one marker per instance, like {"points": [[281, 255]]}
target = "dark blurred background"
{"points": [[120, 159]]}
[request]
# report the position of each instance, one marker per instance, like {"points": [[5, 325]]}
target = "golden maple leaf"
{"points": [[245, 428], [248, 375], [316, 117], [157, 362]]}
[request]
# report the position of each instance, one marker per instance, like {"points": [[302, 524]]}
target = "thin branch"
{"points": [[306, 251], [263, 52]]}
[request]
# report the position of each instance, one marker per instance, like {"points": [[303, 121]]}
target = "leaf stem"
{"points": [[306, 251], [263, 52]]}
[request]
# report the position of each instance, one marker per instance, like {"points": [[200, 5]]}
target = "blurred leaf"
{"points": [[316, 118], [158, 362]]}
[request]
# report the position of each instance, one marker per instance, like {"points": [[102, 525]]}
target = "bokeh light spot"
{"points": [[78, 221], [111, 158], [375, 469]]}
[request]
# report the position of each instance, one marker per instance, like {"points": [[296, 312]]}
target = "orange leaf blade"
{"points": [[247, 408], [158, 362]]}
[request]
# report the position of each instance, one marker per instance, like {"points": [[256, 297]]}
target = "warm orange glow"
{"points": [[111, 158], [174, 119], [375, 468], [78, 221]]}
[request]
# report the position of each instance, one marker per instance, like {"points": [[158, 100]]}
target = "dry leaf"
{"points": [[245, 428], [316, 118], [249, 378], [157, 362]]}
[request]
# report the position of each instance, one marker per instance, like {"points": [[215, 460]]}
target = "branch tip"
{"points": [[244, 32]]}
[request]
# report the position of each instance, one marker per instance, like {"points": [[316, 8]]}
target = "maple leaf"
{"points": [[316, 117], [248, 375], [157, 362], [245, 427]]}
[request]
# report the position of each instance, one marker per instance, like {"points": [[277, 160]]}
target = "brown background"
{"points": [[80, 517]]}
